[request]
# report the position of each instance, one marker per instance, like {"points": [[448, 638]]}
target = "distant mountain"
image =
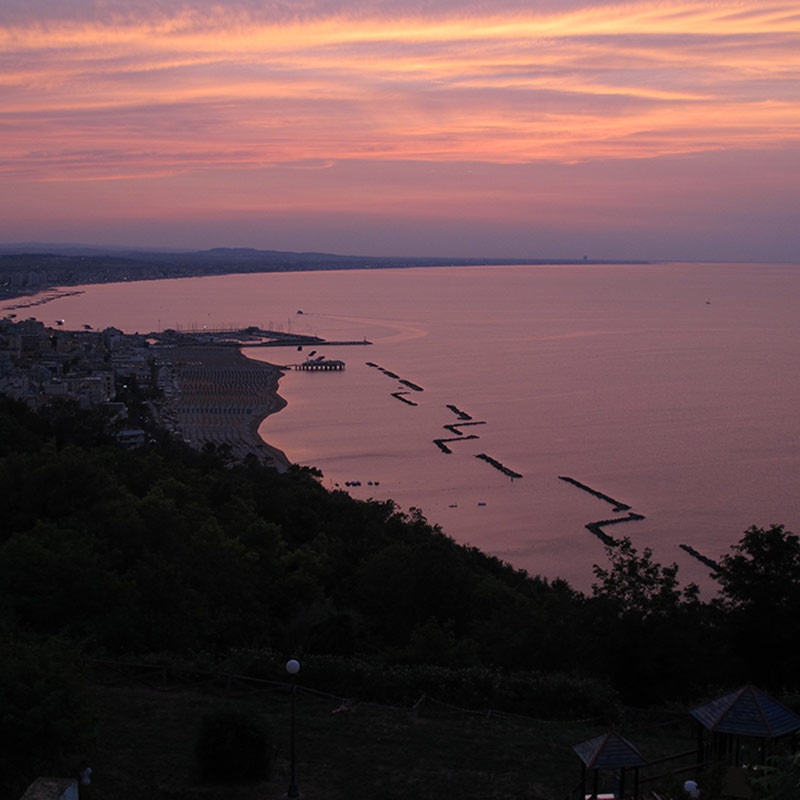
{"points": [[35, 265], [71, 249]]}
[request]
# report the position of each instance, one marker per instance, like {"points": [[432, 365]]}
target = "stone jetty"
{"points": [[618, 506], [714, 566], [597, 526], [400, 396], [442, 443], [456, 426], [394, 376], [458, 412], [499, 466]]}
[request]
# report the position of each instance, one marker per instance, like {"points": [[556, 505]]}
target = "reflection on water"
{"points": [[669, 387], [382, 331]]}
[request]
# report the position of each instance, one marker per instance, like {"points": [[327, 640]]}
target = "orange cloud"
{"points": [[129, 96]]}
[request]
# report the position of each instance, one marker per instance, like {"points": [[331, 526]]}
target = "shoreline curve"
{"points": [[220, 395]]}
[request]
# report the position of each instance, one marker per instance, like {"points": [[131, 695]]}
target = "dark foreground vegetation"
{"points": [[147, 740], [168, 556]]}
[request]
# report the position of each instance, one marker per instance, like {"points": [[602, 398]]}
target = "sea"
{"points": [[669, 388]]}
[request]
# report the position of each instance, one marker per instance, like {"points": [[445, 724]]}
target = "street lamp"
{"points": [[292, 667]]}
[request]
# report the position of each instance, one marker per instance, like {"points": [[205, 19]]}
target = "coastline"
{"points": [[218, 395]]}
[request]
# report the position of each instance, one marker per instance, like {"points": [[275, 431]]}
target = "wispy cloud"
{"points": [[136, 93]]}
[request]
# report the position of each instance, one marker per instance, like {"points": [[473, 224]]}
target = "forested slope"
{"points": [[164, 550]]}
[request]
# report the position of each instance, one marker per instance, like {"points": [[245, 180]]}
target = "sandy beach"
{"points": [[215, 394]]}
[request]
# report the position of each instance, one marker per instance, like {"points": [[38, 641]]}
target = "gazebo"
{"points": [[746, 714], [609, 752]]}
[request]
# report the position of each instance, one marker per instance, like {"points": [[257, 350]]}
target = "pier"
{"points": [[300, 343], [251, 336], [323, 365]]}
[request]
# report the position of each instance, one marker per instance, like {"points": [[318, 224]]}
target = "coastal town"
{"points": [[196, 385], [39, 364]]}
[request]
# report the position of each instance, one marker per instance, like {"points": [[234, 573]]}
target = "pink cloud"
{"points": [[213, 107]]}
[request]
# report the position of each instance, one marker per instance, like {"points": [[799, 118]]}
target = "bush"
{"points": [[46, 718], [540, 694], [233, 747]]}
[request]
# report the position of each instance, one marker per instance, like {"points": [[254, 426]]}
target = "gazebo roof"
{"points": [[609, 751], [748, 712]]}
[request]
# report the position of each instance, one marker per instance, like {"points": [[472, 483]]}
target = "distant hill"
{"points": [[32, 266]]}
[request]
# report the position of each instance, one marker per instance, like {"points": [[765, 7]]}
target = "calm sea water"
{"points": [[670, 387]]}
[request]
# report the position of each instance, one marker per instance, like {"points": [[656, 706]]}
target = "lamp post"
{"points": [[292, 667]]}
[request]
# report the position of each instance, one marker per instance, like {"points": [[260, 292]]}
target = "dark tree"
{"points": [[655, 638], [636, 584], [760, 582]]}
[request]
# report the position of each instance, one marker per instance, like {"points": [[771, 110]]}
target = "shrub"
{"points": [[233, 747], [46, 718]]}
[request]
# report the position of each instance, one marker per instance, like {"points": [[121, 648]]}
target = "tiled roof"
{"points": [[51, 789], [609, 751], [748, 712]]}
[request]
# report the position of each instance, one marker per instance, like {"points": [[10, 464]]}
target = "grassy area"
{"points": [[145, 740]]}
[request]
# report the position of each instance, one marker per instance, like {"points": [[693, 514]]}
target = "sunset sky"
{"points": [[543, 128]]}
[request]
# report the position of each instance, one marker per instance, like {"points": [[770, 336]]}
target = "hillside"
{"points": [[168, 555], [33, 267]]}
